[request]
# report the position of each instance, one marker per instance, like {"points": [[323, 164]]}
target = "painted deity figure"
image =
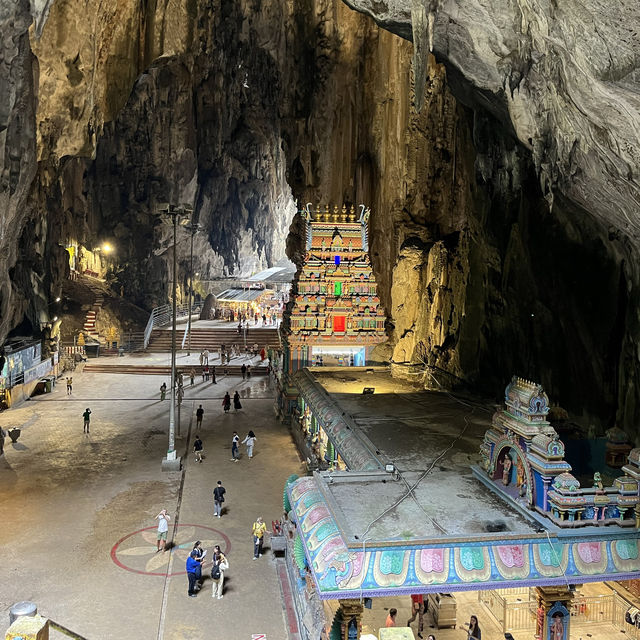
{"points": [[556, 630], [597, 482], [506, 470]]}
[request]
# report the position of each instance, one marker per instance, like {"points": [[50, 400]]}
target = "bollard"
{"points": [[19, 609]]}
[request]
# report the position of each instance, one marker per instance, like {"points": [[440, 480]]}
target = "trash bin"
{"points": [[24, 608], [47, 385]]}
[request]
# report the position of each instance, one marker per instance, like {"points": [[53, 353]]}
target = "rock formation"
{"points": [[505, 210]]}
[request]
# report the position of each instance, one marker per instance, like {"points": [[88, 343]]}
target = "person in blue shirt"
{"points": [[193, 567]]}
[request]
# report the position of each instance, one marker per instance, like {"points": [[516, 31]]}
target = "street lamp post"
{"points": [[172, 462]]}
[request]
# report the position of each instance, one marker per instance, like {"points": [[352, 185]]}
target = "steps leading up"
{"points": [[212, 338], [165, 370]]}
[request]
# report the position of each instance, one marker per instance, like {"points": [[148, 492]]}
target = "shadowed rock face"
{"points": [[494, 252], [564, 77]]}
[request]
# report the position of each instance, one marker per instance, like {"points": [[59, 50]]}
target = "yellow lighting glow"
{"points": [[106, 247]]}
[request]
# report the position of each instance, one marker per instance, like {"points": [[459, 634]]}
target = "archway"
{"points": [[511, 470]]}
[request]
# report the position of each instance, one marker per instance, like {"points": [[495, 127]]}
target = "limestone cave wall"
{"points": [[493, 248]]}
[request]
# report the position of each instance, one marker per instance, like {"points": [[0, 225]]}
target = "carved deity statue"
{"points": [[506, 470]]}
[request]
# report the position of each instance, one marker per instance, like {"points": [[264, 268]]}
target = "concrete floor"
{"points": [[78, 528]]}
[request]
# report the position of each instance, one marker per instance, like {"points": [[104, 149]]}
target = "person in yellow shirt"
{"points": [[259, 530]]}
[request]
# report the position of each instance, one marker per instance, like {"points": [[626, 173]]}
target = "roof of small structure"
{"points": [[439, 527], [240, 295], [284, 271], [372, 569]]}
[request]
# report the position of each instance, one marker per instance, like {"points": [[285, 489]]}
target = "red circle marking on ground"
{"points": [[114, 549]]}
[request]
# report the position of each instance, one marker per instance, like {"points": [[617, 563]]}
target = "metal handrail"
{"points": [[162, 316]]}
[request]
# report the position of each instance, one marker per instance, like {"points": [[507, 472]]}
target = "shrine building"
{"points": [[336, 318], [403, 509]]}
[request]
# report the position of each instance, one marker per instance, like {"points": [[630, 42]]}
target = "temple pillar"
{"points": [[352, 617], [553, 613]]}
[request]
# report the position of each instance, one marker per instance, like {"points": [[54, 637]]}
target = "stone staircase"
{"points": [[89, 326], [212, 337], [165, 370]]}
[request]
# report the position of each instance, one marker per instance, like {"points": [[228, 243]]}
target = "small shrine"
{"points": [[336, 318], [524, 457]]}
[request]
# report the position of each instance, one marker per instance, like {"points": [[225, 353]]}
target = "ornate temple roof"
{"points": [[371, 569]]}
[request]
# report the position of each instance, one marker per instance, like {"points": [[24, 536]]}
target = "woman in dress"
{"points": [[226, 402], [236, 401]]}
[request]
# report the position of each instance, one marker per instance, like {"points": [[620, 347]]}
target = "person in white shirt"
{"points": [[163, 528], [250, 441], [234, 446]]}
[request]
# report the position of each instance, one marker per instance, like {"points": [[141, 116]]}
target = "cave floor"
{"points": [[78, 511]]}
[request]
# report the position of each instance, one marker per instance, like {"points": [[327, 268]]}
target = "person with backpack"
{"points": [[226, 402], [220, 565], [218, 499], [198, 448]]}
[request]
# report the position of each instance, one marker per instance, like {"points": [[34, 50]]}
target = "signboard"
{"points": [[37, 372]]}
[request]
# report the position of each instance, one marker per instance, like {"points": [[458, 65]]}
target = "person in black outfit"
{"points": [[243, 368], [218, 499], [236, 401], [198, 448], [199, 415]]}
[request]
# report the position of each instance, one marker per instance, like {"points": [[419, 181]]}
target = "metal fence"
{"points": [[162, 316], [515, 610], [512, 613], [593, 608]]}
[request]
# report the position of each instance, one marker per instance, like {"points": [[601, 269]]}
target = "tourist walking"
{"points": [[87, 419], [226, 402], [69, 386], [213, 375], [192, 376], [199, 415], [205, 372], [220, 565], [163, 528], [234, 446], [417, 609], [163, 391], [198, 448], [201, 357], [205, 356], [258, 530], [250, 441], [218, 499], [192, 572], [248, 371], [243, 370], [236, 402]]}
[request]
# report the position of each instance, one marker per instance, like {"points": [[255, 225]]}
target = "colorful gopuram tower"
{"points": [[336, 317]]}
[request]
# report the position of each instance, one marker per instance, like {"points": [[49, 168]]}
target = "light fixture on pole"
{"points": [[193, 228], [172, 462]]}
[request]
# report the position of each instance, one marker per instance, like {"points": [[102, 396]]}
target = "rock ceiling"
{"points": [[508, 204], [565, 76]]}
